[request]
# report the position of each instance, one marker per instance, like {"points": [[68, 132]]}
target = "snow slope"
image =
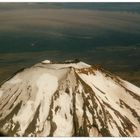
{"points": [[68, 99]]}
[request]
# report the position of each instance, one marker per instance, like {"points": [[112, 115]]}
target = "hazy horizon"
{"points": [[98, 33]]}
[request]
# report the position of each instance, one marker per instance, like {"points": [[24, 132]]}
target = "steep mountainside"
{"points": [[68, 99]]}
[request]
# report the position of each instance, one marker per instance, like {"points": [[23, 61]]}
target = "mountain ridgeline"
{"points": [[68, 99]]}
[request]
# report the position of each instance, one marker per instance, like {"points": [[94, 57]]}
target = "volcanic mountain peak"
{"points": [[68, 99]]}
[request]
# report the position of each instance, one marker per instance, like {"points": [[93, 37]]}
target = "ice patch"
{"points": [[46, 61]]}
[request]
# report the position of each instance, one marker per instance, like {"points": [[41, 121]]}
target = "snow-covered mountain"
{"points": [[68, 99]]}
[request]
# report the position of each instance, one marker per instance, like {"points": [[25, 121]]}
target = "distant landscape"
{"points": [[107, 34]]}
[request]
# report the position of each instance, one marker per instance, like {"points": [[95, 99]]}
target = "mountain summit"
{"points": [[68, 99]]}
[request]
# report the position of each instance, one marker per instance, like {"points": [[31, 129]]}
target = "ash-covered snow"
{"points": [[1, 93]]}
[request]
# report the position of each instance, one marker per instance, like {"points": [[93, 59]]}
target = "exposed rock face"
{"points": [[70, 99]]}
